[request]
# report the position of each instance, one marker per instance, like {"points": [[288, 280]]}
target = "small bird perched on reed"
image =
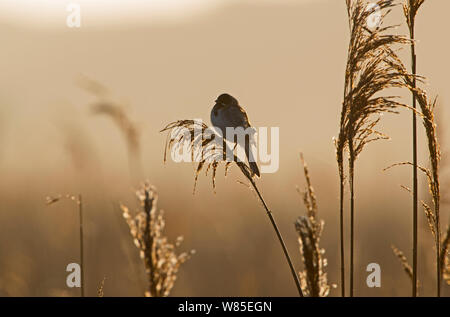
{"points": [[228, 113]]}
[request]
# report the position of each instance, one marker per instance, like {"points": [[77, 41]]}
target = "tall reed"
{"points": [[368, 73], [208, 150], [147, 230], [427, 114], [410, 10], [313, 278], [427, 107]]}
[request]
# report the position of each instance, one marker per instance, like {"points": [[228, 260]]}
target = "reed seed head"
{"points": [[207, 149], [161, 260]]}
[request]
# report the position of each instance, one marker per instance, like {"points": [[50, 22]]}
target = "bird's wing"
{"points": [[238, 117]]}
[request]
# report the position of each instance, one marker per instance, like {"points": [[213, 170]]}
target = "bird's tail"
{"points": [[252, 164], [254, 168]]}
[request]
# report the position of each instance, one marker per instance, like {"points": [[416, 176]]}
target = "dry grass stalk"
{"points": [[368, 73], [160, 258], [410, 9], [78, 200], [209, 150], [427, 108], [313, 279]]}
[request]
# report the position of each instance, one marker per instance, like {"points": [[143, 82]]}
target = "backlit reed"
{"points": [[161, 260], [368, 74]]}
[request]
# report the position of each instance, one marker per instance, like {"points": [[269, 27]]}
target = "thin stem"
{"points": [[352, 214], [435, 176], [438, 255], [341, 208], [415, 187], [438, 236], [80, 211], [152, 290], [280, 238]]}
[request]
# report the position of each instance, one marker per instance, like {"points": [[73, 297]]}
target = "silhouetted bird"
{"points": [[228, 113]]}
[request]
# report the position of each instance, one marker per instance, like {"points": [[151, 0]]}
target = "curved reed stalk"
{"points": [[427, 109], [368, 73], [208, 152], [427, 114]]}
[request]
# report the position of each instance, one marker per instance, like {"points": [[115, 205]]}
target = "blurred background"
{"points": [[168, 60]]}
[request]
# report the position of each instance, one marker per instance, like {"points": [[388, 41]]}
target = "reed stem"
{"points": [[341, 212], [352, 215], [414, 129], [80, 211], [280, 238]]}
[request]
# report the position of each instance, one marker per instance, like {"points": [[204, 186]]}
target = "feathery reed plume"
{"points": [[427, 114], [404, 262], [147, 229], [78, 200], [427, 209], [115, 110], [410, 9], [427, 108], [313, 279], [207, 148], [368, 73]]}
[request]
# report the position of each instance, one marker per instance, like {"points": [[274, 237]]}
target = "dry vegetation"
{"points": [[313, 278], [373, 69], [159, 255], [369, 72], [208, 149]]}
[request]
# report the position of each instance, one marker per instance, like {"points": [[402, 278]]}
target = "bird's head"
{"points": [[226, 100]]}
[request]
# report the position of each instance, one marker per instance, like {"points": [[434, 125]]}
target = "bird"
{"points": [[228, 113]]}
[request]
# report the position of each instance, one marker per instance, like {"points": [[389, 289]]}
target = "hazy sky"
{"points": [[51, 12]]}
